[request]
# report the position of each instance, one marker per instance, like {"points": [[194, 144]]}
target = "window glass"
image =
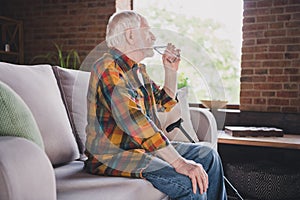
{"points": [[209, 33]]}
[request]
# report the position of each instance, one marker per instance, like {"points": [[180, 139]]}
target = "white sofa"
{"points": [[56, 98]]}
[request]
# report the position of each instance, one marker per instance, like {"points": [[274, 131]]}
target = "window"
{"points": [[209, 33]]}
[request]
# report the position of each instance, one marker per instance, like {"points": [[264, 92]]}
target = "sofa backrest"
{"points": [[37, 86]]}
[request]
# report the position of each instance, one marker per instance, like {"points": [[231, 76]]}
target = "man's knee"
{"points": [[208, 153]]}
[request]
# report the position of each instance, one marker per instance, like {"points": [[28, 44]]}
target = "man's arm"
{"points": [[194, 171]]}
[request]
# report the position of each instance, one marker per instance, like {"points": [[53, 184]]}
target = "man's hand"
{"points": [[194, 171], [171, 57]]}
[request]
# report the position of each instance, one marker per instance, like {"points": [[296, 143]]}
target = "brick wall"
{"points": [[270, 79], [75, 24]]}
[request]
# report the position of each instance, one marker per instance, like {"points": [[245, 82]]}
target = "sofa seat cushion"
{"points": [[16, 118], [37, 86], [73, 183]]}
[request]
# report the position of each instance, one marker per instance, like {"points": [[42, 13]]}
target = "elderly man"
{"points": [[123, 132]]}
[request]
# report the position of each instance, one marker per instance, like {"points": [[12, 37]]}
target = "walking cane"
{"points": [[177, 124]]}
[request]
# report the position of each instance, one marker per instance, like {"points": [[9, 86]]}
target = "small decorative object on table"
{"points": [[242, 131], [214, 104]]}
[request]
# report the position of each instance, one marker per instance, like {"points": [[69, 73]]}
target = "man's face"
{"points": [[145, 40]]}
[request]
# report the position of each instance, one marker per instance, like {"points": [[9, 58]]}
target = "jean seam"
{"points": [[181, 186]]}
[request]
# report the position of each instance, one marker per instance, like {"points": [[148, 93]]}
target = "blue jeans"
{"points": [[177, 186]]}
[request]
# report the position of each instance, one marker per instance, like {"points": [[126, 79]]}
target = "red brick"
{"points": [[276, 25], [264, 3], [267, 86], [250, 64], [261, 101], [292, 8], [295, 102], [296, 16], [273, 108], [261, 71], [280, 2], [250, 93], [277, 101], [277, 48], [294, 2], [295, 78], [292, 24], [253, 34], [248, 42], [268, 94], [247, 71], [258, 79], [246, 86], [256, 12], [269, 56], [274, 33], [292, 70], [259, 49], [244, 100], [290, 109], [247, 57], [285, 40], [246, 79], [293, 48], [263, 41], [247, 20], [254, 27], [281, 63], [279, 78], [268, 18], [285, 17], [287, 94], [249, 4], [291, 86], [295, 63], [256, 108], [277, 10]]}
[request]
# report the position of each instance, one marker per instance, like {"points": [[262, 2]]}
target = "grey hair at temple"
{"points": [[117, 25]]}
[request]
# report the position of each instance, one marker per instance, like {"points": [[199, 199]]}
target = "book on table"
{"points": [[245, 131]]}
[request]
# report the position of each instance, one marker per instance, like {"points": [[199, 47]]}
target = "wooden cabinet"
{"points": [[11, 40]]}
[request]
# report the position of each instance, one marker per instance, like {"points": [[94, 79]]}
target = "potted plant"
{"points": [[69, 59]]}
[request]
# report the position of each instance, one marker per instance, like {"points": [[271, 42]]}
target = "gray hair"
{"points": [[117, 25]]}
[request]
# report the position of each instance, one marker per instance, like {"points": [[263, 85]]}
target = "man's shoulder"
{"points": [[106, 67], [105, 61]]}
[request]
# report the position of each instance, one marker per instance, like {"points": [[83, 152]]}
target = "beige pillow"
{"points": [[37, 86], [180, 110], [74, 88]]}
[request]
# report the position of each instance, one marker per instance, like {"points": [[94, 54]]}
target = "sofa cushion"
{"points": [[73, 183], [180, 110], [37, 86], [74, 87], [16, 118]]}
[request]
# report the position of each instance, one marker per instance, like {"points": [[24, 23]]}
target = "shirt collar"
{"points": [[123, 61]]}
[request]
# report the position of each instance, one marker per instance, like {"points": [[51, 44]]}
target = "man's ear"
{"points": [[129, 36]]}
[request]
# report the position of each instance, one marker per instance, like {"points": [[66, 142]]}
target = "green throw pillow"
{"points": [[16, 118]]}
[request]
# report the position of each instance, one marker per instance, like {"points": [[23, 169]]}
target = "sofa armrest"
{"points": [[205, 125], [25, 171]]}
